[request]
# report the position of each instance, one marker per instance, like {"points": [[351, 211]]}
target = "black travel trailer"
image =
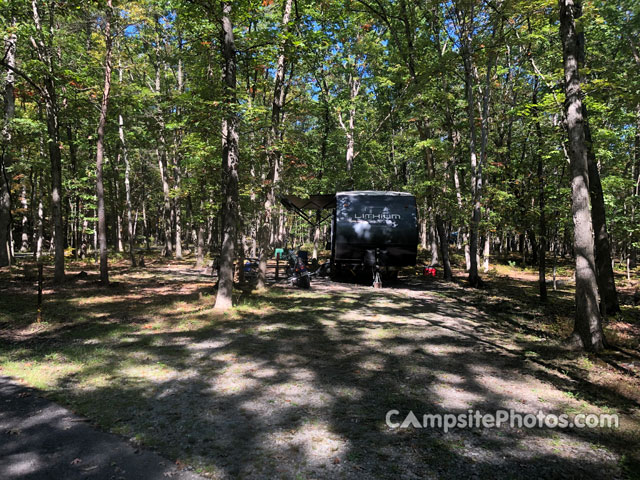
{"points": [[369, 229]]}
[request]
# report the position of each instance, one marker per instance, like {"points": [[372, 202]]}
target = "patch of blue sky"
{"points": [[132, 31]]}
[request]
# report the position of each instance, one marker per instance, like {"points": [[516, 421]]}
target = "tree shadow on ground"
{"points": [[297, 384]]}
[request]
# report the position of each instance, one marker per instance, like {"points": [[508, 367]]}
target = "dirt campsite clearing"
{"points": [[299, 384]]}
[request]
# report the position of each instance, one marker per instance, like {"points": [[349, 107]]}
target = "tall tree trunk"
{"points": [[33, 210], [274, 154], [50, 97], [115, 200], [635, 191], [177, 207], [76, 197], [5, 154], [466, 23], [176, 165], [436, 224], [229, 163], [161, 153], [5, 214], [484, 142], [127, 183], [606, 283], [588, 322], [466, 32], [127, 189], [542, 221], [56, 182], [104, 105], [349, 127], [161, 150]]}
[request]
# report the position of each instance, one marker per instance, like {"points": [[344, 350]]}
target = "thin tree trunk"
{"points": [[176, 166], [316, 235], [636, 177], [542, 221], [424, 232], [588, 321], [161, 150], [484, 140], [209, 241], [135, 223], [200, 239], [102, 224], [117, 213], [466, 33], [131, 236], [265, 231], [33, 210], [127, 184], [76, 197], [534, 245], [40, 224], [192, 235], [432, 232], [635, 192], [177, 208], [349, 128], [56, 184], [555, 259], [95, 233], [50, 98], [606, 283], [229, 163], [24, 244], [456, 182], [486, 252], [5, 154], [177, 220], [145, 226], [444, 248]]}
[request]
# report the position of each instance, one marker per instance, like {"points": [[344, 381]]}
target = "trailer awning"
{"points": [[314, 202]]}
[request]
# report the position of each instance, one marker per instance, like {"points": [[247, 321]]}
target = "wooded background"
{"points": [[178, 124]]}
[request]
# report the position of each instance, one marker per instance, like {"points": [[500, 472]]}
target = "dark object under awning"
{"points": [[314, 202]]}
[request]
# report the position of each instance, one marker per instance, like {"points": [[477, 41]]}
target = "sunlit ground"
{"points": [[296, 384]]}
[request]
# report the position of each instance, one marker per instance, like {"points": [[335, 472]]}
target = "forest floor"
{"points": [[296, 384]]}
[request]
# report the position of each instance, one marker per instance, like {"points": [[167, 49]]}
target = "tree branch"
{"points": [[25, 77], [384, 120], [634, 49]]}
